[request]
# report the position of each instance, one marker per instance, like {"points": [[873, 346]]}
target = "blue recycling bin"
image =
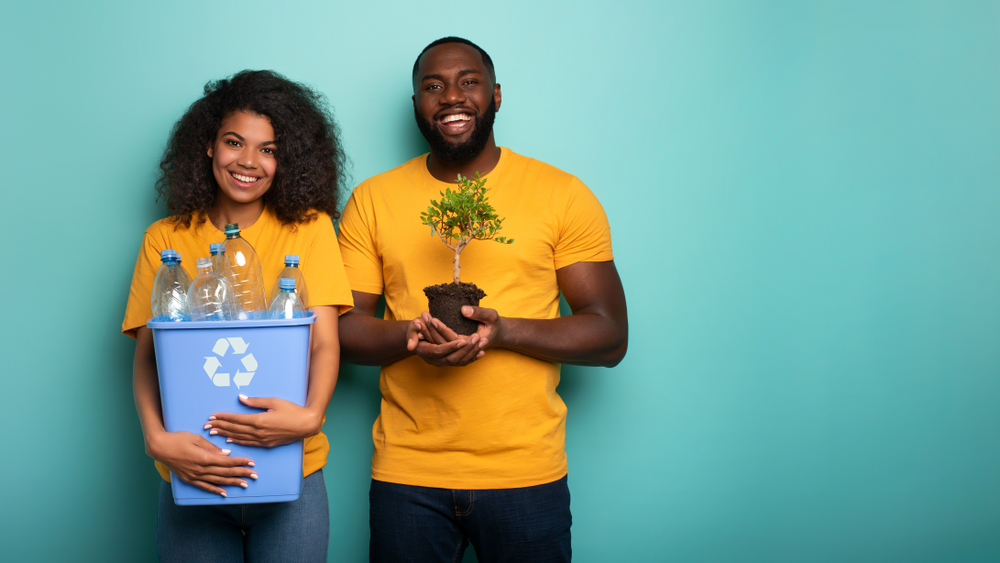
{"points": [[204, 367]]}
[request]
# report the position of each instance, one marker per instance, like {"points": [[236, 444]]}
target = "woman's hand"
{"points": [[200, 462], [283, 422]]}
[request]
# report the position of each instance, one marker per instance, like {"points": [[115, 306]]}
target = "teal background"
{"points": [[804, 200]]}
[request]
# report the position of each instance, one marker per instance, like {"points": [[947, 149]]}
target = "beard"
{"points": [[459, 153]]}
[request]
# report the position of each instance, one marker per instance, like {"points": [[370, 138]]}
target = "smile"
{"points": [[244, 179], [456, 117]]}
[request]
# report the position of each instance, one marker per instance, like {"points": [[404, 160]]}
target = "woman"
{"points": [[263, 152]]}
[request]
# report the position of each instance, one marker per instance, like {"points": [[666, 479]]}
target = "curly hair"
{"points": [[310, 160]]}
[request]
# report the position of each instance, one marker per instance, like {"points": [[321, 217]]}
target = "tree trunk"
{"points": [[457, 271]]}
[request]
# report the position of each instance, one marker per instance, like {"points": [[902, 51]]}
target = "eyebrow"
{"points": [[240, 137], [460, 73]]}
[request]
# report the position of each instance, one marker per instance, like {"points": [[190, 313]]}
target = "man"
{"points": [[469, 444]]}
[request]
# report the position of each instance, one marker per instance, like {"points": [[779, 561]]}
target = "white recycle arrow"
{"points": [[249, 362], [241, 378], [221, 379], [221, 346], [211, 364], [239, 346]]}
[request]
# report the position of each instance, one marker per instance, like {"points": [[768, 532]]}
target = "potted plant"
{"points": [[462, 216]]}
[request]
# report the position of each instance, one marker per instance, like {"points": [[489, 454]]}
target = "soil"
{"points": [[445, 302]]}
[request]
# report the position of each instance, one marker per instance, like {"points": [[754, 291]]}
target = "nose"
{"points": [[247, 159], [453, 94]]}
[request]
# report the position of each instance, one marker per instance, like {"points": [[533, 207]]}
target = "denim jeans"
{"points": [[278, 531], [422, 524]]}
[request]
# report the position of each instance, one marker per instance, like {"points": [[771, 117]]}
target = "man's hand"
{"points": [[438, 345], [281, 423], [490, 330]]}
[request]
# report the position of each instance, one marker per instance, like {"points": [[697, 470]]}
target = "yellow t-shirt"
{"points": [[315, 242], [498, 422]]}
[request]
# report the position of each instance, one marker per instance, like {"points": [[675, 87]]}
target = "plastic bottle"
{"points": [[169, 297], [210, 296], [286, 304], [220, 261], [292, 271], [245, 276]]}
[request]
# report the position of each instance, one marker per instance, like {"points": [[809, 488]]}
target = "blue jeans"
{"points": [[422, 524], [277, 531]]}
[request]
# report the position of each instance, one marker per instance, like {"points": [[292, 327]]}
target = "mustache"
{"points": [[459, 153]]}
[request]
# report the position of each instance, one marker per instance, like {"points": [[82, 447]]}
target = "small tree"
{"points": [[462, 216]]}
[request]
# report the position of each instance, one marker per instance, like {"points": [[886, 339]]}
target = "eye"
{"points": [[233, 143], [267, 151]]}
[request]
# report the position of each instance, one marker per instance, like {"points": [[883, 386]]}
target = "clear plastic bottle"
{"points": [[292, 271], [220, 261], [169, 297], [210, 296], [286, 304], [245, 275]]}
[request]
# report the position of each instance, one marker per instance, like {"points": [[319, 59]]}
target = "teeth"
{"points": [[456, 117], [242, 178]]}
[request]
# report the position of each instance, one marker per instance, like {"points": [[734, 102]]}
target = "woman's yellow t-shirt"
{"points": [[315, 242]]}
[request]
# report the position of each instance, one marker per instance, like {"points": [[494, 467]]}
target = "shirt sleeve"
{"points": [[323, 268], [584, 234], [362, 261], [138, 309]]}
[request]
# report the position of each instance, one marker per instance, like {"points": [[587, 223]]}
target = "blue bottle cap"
{"points": [[169, 254], [287, 283], [291, 259], [215, 248], [232, 228]]}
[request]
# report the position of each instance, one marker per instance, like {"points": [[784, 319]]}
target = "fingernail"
{"points": [[229, 440], [207, 426], [227, 452], [253, 476], [243, 484], [223, 493], [213, 432], [244, 397], [212, 417], [466, 310], [251, 464]]}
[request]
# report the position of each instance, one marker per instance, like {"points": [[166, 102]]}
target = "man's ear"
{"points": [[496, 95]]}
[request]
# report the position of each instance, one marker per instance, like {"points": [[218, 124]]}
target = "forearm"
{"points": [[370, 341], [324, 364], [579, 339], [146, 389], [323, 367], [596, 334]]}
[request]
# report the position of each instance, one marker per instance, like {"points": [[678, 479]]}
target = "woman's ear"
{"points": [[209, 151]]}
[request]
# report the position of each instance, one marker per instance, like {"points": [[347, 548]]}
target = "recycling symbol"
{"points": [[212, 363]]}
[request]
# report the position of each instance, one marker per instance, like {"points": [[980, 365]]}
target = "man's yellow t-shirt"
{"points": [[498, 422], [315, 242]]}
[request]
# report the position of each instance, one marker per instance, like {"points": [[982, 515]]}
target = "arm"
{"points": [[369, 340], [191, 457], [596, 334], [283, 421]]}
